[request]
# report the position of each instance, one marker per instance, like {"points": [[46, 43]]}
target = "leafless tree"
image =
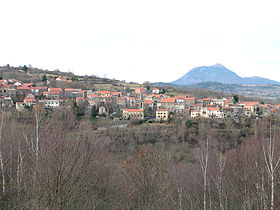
{"points": [[272, 160], [1, 157], [204, 158]]}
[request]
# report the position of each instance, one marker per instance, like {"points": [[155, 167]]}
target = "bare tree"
{"points": [[204, 157], [1, 158], [271, 162]]}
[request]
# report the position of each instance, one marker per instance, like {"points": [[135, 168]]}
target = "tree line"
{"points": [[57, 161]]}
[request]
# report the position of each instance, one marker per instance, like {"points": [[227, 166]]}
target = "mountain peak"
{"points": [[219, 65], [219, 73]]}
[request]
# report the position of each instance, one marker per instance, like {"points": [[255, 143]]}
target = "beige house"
{"points": [[102, 110], [162, 114], [137, 114]]}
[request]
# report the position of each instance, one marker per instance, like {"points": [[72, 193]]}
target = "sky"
{"points": [[147, 40]]}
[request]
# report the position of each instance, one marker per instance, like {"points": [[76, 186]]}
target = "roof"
{"points": [[68, 89], [162, 110], [206, 99], [103, 91], [61, 78], [55, 89], [39, 88], [148, 102], [93, 95], [29, 100], [55, 92], [133, 110], [80, 98], [23, 88], [168, 100], [213, 109], [116, 93], [27, 84], [250, 103], [264, 106], [157, 95]]}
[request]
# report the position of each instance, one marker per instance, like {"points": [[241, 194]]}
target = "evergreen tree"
{"points": [[94, 112], [44, 78], [24, 68]]}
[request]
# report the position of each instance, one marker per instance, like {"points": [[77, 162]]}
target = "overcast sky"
{"points": [[142, 40]]}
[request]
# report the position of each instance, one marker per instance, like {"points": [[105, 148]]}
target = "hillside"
{"points": [[219, 73], [34, 75]]}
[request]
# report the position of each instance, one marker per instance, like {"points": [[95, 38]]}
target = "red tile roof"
{"points": [[206, 99], [133, 110], [168, 100], [162, 110], [68, 89], [23, 88], [149, 102], [55, 89], [38, 88], [213, 109], [27, 84], [250, 103]]}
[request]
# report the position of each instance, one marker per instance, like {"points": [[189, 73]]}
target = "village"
{"points": [[138, 104]]}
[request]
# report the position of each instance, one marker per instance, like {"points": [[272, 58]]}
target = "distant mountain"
{"points": [[219, 73]]}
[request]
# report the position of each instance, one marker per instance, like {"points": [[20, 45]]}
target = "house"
{"points": [[52, 95], [121, 102], [252, 105], [168, 103], [50, 104], [155, 91], [195, 113], [162, 114], [55, 90], [218, 102], [140, 90], [137, 114], [12, 92], [73, 93], [215, 112], [20, 106], [22, 90], [273, 111], [116, 94], [62, 79], [27, 85], [29, 102], [206, 101], [102, 110], [80, 100], [130, 102], [149, 97], [247, 112], [6, 101], [148, 103], [38, 90], [189, 101], [103, 93]]}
